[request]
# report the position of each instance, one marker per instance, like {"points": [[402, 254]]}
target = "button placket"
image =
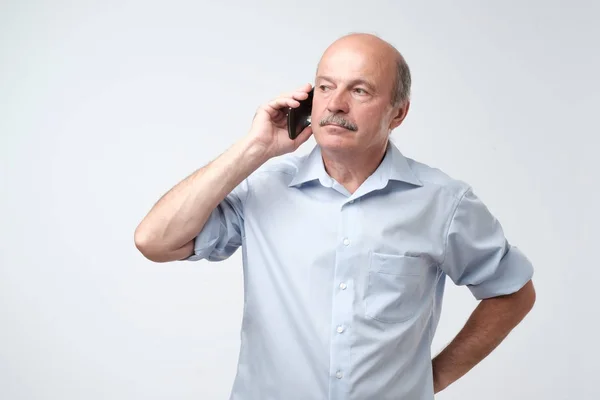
{"points": [[340, 340]]}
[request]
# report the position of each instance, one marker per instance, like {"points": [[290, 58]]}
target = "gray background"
{"points": [[105, 105]]}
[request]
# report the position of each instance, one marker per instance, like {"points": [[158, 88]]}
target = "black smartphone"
{"points": [[299, 118]]}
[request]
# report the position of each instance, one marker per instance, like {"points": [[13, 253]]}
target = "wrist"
{"points": [[441, 380], [253, 152]]}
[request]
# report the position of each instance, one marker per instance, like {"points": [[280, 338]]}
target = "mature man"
{"points": [[345, 250]]}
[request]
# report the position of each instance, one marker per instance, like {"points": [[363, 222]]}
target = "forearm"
{"points": [[486, 328], [169, 228]]}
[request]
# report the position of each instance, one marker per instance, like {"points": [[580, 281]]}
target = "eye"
{"points": [[323, 88], [360, 91]]}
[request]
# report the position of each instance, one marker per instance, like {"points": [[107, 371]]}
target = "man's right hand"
{"points": [[269, 127]]}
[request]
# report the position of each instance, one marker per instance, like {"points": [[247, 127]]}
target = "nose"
{"points": [[338, 102]]}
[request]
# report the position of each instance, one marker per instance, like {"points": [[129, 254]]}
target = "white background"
{"points": [[105, 105]]}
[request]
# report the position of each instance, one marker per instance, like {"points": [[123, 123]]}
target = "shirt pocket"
{"points": [[395, 288]]}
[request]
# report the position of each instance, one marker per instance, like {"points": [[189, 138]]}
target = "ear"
{"points": [[400, 115]]}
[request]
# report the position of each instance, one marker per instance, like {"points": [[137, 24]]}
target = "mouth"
{"points": [[337, 126]]}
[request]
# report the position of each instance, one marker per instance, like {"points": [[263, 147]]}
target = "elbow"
{"points": [[146, 245], [154, 249]]}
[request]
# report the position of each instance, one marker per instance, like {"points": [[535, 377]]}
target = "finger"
{"points": [[278, 107], [271, 112], [283, 102], [296, 97], [304, 88], [299, 93], [291, 99]]}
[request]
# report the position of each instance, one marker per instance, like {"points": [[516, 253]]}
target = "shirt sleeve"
{"points": [[223, 232], [479, 256]]}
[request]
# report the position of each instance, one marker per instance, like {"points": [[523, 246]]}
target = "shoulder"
{"points": [[285, 164], [434, 178], [278, 170]]}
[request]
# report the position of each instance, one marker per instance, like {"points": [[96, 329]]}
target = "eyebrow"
{"points": [[357, 81]]}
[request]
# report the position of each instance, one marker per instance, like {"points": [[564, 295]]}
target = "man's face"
{"points": [[353, 88]]}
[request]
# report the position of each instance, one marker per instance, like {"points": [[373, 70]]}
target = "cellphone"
{"points": [[299, 118]]}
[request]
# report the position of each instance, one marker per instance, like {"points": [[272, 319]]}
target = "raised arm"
{"points": [[167, 232]]}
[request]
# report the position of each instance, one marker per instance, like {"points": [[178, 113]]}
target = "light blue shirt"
{"points": [[343, 292]]}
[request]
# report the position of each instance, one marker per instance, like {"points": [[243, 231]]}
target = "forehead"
{"points": [[349, 63]]}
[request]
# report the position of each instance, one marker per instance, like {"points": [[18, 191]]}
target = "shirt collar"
{"points": [[393, 167]]}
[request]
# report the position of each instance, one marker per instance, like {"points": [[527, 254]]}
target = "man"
{"points": [[345, 250]]}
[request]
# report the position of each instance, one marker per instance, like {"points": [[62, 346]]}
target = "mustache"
{"points": [[337, 120]]}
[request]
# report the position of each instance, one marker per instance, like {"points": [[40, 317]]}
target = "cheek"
{"points": [[371, 119], [317, 113]]}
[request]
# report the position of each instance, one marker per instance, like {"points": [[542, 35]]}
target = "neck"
{"points": [[351, 169]]}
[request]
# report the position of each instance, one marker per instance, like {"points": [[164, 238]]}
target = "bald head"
{"points": [[365, 40], [386, 56]]}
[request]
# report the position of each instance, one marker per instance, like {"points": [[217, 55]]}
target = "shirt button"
{"points": [[339, 374], [340, 329], [343, 286], [346, 241]]}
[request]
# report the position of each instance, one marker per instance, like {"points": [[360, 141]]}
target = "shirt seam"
{"points": [[447, 187], [449, 224], [263, 171], [245, 207]]}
